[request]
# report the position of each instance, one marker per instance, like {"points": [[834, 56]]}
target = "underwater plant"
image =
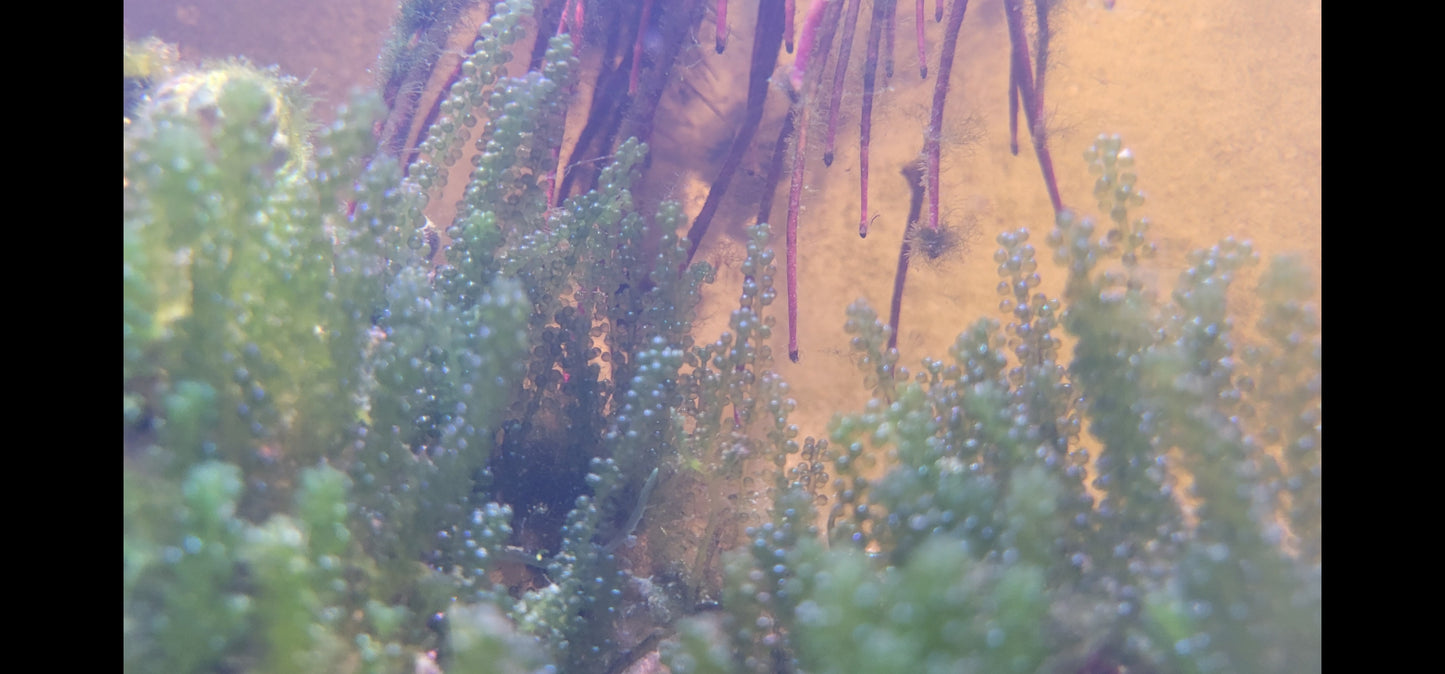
{"points": [[358, 440], [327, 437], [965, 532]]}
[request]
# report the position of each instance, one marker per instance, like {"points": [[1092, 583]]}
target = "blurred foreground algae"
{"points": [[341, 457]]}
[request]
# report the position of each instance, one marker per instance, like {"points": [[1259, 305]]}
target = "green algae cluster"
{"points": [[333, 448], [980, 549]]}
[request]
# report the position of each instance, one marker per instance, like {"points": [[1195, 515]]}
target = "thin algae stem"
{"points": [[802, 94], [845, 48], [1013, 107], [1041, 64], [556, 150], [637, 46], [552, 177], [775, 169], [788, 9], [913, 172], [870, 72], [1032, 99], [889, 31], [635, 517], [922, 49], [931, 143], [722, 25], [795, 196]]}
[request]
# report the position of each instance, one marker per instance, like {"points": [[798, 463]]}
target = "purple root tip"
{"points": [[918, 29], [788, 8], [722, 25]]}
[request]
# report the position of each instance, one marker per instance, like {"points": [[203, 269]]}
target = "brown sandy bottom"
{"points": [[1219, 101]]}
